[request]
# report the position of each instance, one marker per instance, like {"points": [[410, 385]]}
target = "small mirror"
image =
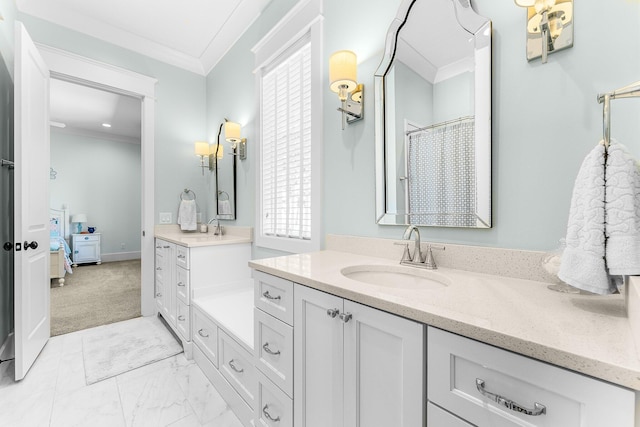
{"points": [[225, 184], [433, 117]]}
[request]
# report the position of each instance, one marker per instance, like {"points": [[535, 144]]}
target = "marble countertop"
{"points": [[194, 239], [585, 333]]}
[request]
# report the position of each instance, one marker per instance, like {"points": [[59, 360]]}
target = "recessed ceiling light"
{"points": [[107, 125], [57, 124]]}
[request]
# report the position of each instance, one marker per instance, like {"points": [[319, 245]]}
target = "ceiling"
{"points": [[82, 110], [190, 34]]}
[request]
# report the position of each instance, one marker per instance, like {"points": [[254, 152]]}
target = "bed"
{"points": [[59, 249]]}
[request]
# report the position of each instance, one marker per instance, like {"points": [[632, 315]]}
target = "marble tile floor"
{"points": [[172, 392]]}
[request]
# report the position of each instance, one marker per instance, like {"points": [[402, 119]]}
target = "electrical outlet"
{"points": [[165, 217]]}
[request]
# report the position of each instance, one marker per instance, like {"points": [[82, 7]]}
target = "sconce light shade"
{"points": [[202, 148], [525, 3], [343, 71], [232, 132]]}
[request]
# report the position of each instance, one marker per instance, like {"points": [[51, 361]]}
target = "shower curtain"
{"points": [[441, 175]]}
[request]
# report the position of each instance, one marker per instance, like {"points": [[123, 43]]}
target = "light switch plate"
{"points": [[165, 217]]}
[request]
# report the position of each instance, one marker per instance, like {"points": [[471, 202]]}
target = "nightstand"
{"points": [[85, 248]]}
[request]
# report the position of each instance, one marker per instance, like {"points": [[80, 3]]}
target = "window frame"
{"points": [[303, 22]]}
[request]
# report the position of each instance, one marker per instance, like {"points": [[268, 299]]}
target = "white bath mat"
{"points": [[120, 347]]}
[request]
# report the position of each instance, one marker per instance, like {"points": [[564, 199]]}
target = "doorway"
{"points": [[95, 181], [73, 68]]}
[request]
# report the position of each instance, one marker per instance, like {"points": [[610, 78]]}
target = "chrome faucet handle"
{"points": [[430, 262], [406, 255]]}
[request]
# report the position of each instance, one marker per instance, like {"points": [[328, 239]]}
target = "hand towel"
{"points": [[623, 211], [224, 207], [187, 215], [583, 263]]}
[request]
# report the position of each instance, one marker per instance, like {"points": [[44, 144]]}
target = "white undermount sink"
{"points": [[397, 277]]}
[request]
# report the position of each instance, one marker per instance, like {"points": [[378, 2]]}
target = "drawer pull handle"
{"points": [[345, 317], [181, 256], [234, 367], [268, 296], [158, 268], [166, 247], [333, 312], [538, 409], [159, 294], [266, 348], [180, 284], [266, 413], [181, 318], [202, 334], [158, 247]]}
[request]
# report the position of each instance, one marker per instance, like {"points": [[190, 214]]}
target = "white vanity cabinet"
{"points": [[491, 387], [355, 365], [164, 277], [179, 269]]}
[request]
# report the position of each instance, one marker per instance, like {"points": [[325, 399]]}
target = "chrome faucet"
{"points": [[417, 259], [217, 231], [417, 251]]}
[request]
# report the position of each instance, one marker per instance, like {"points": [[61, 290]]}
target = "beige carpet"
{"points": [[96, 295]]}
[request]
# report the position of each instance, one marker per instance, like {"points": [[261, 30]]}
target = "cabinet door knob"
{"points": [[333, 312], [159, 294], [345, 317], [266, 413], [181, 318], [266, 348], [158, 268], [538, 409], [180, 284], [202, 334]]}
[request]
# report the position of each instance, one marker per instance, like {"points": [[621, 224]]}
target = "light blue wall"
{"points": [[545, 117], [100, 178], [453, 98], [180, 109]]}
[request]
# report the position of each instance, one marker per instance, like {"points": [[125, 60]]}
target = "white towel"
{"points": [[224, 207], [623, 211], [583, 264], [187, 215]]}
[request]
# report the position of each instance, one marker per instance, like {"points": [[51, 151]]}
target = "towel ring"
{"points": [[187, 192], [223, 193]]}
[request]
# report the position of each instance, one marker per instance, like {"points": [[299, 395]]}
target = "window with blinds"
{"points": [[286, 145]]}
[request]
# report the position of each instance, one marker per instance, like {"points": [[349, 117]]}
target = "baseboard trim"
{"points": [[7, 350], [120, 256]]}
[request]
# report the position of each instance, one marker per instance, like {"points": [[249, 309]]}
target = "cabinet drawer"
{"points": [[274, 350], [462, 372], [273, 407], [182, 256], [437, 416], [86, 238], [236, 365], [274, 295], [183, 322], [183, 286], [205, 335]]}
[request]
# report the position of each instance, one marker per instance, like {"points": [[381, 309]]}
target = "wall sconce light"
{"points": [[343, 81], [202, 150], [549, 26], [232, 135], [79, 219]]}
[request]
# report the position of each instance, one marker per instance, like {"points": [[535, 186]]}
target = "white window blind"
{"points": [[286, 146]]}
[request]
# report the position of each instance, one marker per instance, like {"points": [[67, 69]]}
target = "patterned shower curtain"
{"points": [[441, 175]]}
